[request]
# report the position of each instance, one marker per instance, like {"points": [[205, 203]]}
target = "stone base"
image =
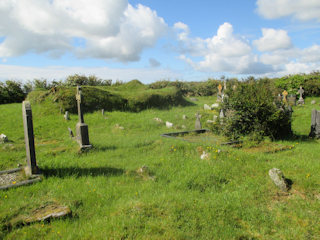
{"points": [[301, 101], [31, 171], [82, 134]]}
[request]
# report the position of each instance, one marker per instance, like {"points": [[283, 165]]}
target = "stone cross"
{"points": [[78, 97], [81, 127], [284, 94], [301, 100], [32, 167], [198, 123]]}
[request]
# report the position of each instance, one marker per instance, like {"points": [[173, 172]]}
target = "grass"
{"points": [[228, 196]]}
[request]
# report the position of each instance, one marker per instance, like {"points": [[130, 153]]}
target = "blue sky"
{"points": [[152, 40]]}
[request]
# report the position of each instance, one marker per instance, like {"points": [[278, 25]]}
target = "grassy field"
{"points": [[228, 196]]}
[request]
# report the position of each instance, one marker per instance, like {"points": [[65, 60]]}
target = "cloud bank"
{"points": [[105, 29]]}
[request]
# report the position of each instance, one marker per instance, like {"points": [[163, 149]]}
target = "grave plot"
{"points": [[200, 136], [29, 174]]}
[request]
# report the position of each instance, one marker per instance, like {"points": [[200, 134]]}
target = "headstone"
{"points": [[219, 95], [81, 127], [224, 85], [205, 155], [158, 120], [198, 123], [169, 124], [284, 94], [66, 116], [215, 117], [313, 102], [206, 107], [70, 132], [292, 100], [315, 124], [278, 178], [215, 105], [221, 115], [32, 167], [219, 89], [102, 112], [301, 92], [3, 138], [184, 117]]}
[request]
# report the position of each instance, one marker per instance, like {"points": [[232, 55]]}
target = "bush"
{"points": [[11, 92], [251, 111]]}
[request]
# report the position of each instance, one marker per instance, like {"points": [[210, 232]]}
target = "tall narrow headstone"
{"points": [[198, 123], [315, 124], [32, 167], [81, 127], [66, 116], [102, 112]]}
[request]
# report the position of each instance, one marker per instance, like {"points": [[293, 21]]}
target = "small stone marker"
{"points": [[315, 124], [313, 102], [32, 167], [301, 100], [278, 178], [198, 123], [81, 127], [169, 124], [215, 105], [158, 120], [284, 94], [102, 112], [184, 117], [66, 116], [206, 107], [70, 132], [3, 138]]}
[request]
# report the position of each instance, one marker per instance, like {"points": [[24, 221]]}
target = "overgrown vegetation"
{"points": [[251, 110]]}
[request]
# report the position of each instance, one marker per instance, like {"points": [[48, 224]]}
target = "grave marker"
{"points": [[66, 116], [81, 127], [284, 94], [32, 167], [198, 123], [301, 100], [315, 124]]}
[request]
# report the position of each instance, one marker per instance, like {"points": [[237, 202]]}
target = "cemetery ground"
{"points": [[176, 195]]}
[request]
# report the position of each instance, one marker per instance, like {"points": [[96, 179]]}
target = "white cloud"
{"points": [[145, 75], [299, 9], [224, 52], [231, 53], [111, 29], [272, 40]]}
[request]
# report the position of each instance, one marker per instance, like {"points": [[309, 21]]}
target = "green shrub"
{"points": [[11, 92], [251, 111]]}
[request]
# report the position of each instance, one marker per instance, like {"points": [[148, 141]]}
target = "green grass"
{"points": [[228, 196]]}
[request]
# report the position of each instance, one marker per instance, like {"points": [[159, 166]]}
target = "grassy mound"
{"points": [[133, 96]]}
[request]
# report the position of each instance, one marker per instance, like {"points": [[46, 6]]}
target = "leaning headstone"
{"points": [[3, 138], [81, 127], [315, 124], [301, 100], [32, 167], [206, 107], [70, 132], [313, 102], [66, 116], [278, 178], [198, 123]]}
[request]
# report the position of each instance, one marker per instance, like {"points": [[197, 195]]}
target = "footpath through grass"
{"points": [[228, 196]]}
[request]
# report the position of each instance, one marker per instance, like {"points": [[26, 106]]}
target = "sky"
{"points": [[154, 40]]}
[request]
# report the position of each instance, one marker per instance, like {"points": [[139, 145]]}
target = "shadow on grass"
{"points": [[81, 172], [97, 147], [302, 138]]}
